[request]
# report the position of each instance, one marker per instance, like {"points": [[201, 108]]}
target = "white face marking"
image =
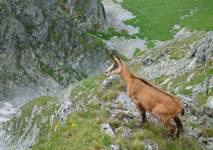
{"points": [[109, 70], [113, 69]]}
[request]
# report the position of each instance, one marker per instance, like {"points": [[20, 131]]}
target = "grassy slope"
{"points": [[21, 125], [157, 17], [79, 132], [82, 129]]}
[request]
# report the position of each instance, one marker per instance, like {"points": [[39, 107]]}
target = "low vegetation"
{"points": [[203, 97], [38, 112], [81, 130], [111, 32], [157, 18], [207, 132], [137, 53]]}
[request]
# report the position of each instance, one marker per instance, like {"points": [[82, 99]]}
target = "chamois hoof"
{"points": [[179, 133], [144, 124]]}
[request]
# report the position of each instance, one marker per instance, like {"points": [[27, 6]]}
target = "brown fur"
{"points": [[148, 97]]}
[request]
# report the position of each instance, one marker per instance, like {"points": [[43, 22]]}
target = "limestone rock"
{"points": [[106, 128]]}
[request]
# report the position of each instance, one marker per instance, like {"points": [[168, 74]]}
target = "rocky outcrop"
{"points": [[202, 50], [89, 13], [42, 39]]}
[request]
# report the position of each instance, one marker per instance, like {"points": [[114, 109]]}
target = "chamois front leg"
{"points": [[143, 113], [138, 105], [179, 125]]}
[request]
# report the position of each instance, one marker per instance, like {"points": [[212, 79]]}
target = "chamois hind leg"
{"points": [[143, 115], [179, 125]]}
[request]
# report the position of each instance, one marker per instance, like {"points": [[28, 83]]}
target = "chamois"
{"points": [[148, 97]]}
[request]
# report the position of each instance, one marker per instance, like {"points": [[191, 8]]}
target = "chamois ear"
{"points": [[115, 58]]}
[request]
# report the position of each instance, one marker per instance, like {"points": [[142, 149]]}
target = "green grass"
{"points": [[137, 53], [156, 18], [136, 67], [112, 92], [111, 32], [207, 132], [46, 105], [81, 131], [92, 86], [132, 143], [203, 97], [161, 79], [94, 43], [86, 87], [156, 132], [46, 69]]}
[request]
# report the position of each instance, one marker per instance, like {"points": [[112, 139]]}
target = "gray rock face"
{"points": [[124, 131], [126, 101], [22, 132], [106, 128], [207, 142], [114, 147], [210, 102], [150, 145], [204, 86], [108, 82], [183, 33], [94, 14], [65, 109], [202, 50], [42, 39]]}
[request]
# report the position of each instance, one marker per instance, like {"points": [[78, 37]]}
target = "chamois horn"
{"points": [[113, 55]]}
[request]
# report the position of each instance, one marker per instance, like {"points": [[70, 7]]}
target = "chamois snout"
{"points": [[109, 70]]}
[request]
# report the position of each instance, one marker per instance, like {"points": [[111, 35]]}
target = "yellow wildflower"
{"points": [[73, 124], [56, 126]]}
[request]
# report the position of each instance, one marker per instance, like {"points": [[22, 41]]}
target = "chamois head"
{"points": [[115, 68]]}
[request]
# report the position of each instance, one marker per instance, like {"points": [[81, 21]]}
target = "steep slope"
{"points": [[45, 46], [99, 114]]}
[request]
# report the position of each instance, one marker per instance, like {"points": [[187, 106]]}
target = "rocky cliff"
{"points": [[46, 43]]}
